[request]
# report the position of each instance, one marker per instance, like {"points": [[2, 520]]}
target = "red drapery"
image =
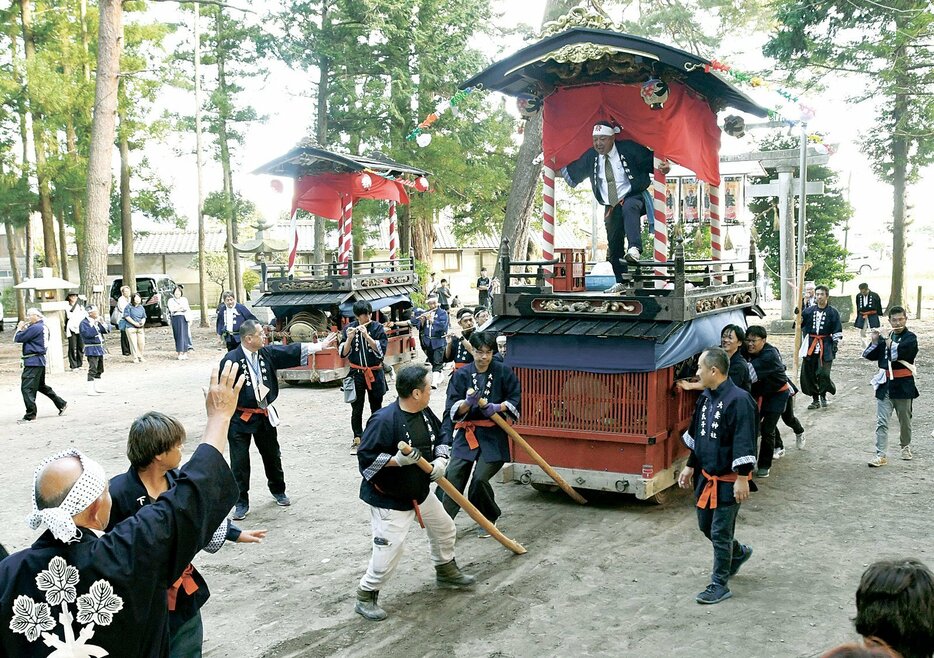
{"points": [[321, 194], [684, 131]]}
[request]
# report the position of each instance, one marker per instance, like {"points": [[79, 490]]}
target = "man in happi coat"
{"points": [[398, 491], [868, 310], [255, 416], [722, 440], [456, 350], [80, 592], [363, 343], [481, 447], [821, 331], [230, 315]]}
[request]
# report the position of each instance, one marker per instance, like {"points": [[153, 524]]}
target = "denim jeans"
{"points": [[719, 525], [884, 409]]}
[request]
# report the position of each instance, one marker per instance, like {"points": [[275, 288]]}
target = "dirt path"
{"points": [[616, 577]]}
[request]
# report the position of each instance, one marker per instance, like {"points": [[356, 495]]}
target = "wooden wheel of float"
{"points": [[304, 326]]}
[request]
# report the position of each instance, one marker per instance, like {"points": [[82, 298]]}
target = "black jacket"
{"points": [[638, 163]]}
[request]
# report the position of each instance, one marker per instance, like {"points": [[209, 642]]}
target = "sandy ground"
{"points": [[616, 577]]}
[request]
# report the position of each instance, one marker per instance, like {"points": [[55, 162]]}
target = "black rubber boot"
{"points": [[450, 576], [367, 606]]}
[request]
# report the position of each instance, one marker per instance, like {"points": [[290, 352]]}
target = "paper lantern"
{"points": [[276, 184], [423, 139], [655, 93], [734, 126], [421, 184], [528, 105], [366, 182]]}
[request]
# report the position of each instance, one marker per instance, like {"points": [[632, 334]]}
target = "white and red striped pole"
{"points": [[346, 232], [393, 236], [548, 217], [660, 203], [713, 198]]}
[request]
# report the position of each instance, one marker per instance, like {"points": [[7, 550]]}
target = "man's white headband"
{"points": [[604, 131], [85, 491]]}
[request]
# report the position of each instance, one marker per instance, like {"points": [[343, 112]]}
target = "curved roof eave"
{"points": [[516, 74]]}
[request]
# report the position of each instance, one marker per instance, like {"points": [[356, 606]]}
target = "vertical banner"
{"points": [[691, 205]]}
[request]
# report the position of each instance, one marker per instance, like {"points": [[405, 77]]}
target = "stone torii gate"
{"points": [[784, 161]]}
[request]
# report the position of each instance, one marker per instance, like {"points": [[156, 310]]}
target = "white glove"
{"points": [[409, 459], [438, 467]]}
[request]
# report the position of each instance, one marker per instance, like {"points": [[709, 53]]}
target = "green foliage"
{"points": [[825, 213], [250, 279], [422, 272], [8, 300], [215, 264]]}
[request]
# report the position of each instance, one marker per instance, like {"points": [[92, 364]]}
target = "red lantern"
{"points": [[421, 184]]}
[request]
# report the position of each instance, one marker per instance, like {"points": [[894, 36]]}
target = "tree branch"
{"points": [[216, 3]]}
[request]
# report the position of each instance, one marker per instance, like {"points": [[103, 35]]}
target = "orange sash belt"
{"points": [[458, 365], [368, 376], [897, 374], [786, 387], [866, 314], [468, 426], [709, 492], [186, 581], [813, 346], [248, 413]]}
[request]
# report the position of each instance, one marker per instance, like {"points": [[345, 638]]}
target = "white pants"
{"points": [[390, 528]]}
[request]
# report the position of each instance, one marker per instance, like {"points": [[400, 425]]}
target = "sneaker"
{"points": [[615, 288], [762, 472], [823, 403], [814, 405], [714, 594], [282, 500], [778, 453], [800, 441], [633, 256], [354, 445], [240, 511], [62, 410], [741, 560], [906, 453], [877, 461], [483, 533], [24, 420]]}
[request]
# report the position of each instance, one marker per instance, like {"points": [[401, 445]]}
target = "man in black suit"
{"points": [[255, 416], [619, 172]]}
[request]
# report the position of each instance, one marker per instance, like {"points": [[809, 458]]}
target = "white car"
{"points": [[860, 263]]}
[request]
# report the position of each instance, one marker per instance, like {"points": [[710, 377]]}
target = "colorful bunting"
{"points": [[442, 107]]}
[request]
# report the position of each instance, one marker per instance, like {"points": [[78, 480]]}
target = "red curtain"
{"points": [[684, 131], [321, 194]]}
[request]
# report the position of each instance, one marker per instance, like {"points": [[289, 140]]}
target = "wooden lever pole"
{"points": [[537, 458], [466, 505]]}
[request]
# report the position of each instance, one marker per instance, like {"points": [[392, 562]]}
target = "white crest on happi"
{"points": [[59, 582]]}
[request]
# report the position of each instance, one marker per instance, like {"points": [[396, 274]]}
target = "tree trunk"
{"points": [[324, 81], [39, 144], [222, 112], [899, 168], [100, 156], [202, 264], [30, 269], [14, 268], [62, 243], [522, 192], [521, 198], [423, 238], [404, 226], [126, 210]]}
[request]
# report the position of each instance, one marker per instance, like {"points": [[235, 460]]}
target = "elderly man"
{"points": [[230, 316], [92, 329], [619, 173], [34, 336], [78, 591], [255, 417]]}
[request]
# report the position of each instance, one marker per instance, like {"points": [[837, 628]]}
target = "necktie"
{"points": [[611, 192]]}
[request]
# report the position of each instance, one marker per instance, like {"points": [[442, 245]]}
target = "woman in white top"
{"points": [[117, 318], [178, 309]]}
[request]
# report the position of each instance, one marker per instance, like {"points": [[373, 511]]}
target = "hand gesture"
{"points": [[220, 399], [407, 460], [330, 340], [741, 488], [351, 333], [252, 536]]}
